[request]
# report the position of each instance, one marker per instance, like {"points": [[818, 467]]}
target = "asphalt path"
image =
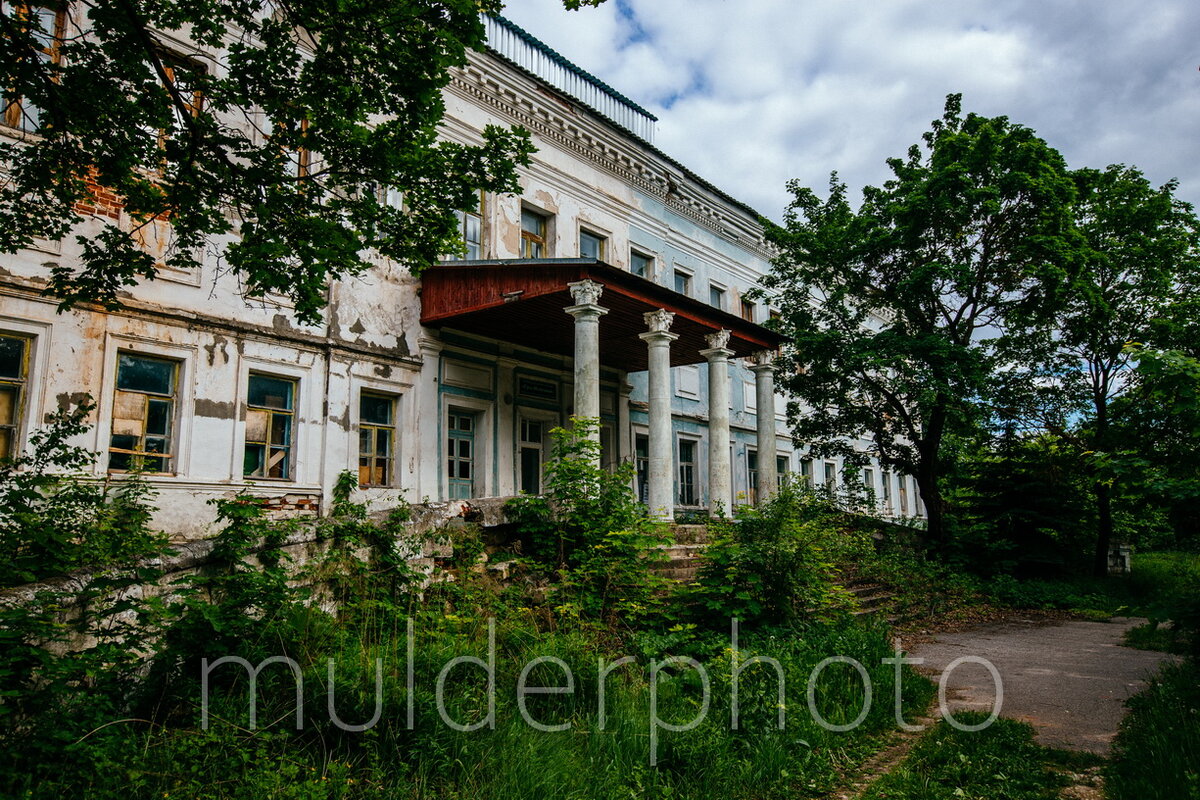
{"points": [[1070, 680]]}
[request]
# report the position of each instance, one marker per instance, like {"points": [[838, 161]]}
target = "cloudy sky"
{"points": [[750, 93]]}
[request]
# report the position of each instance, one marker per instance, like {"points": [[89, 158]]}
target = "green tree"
{"points": [[274, 132], [900, 313], [1141, 243], [1157, 431]]}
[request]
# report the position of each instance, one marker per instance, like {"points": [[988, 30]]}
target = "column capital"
{"points": [[586, 292], [763, 361], [718, 340], [659, 321], [717, 350]]}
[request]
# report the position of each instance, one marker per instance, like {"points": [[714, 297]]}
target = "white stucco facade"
{"points": [[428, 413]]}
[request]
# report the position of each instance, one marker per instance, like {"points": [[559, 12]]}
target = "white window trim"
{"points": [[485, 452], [724, 294], [701, 489], [691, 276], [306, 460], [547, 417], [185, 399], [650, 255], [606, 240], [37, 372], [399, 394]]}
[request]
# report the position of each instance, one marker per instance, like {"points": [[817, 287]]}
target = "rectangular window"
{"points": [[683, 282], [640, 264], [292, 149], [47, 25], [184, 76], [270, 420], [830, 475], [752, 475], [868, 477], [887, 492], [14, 372], [641, 448], [608, 446], [716, 296], [533, 234], [903, 498], [806, 472], [460, 455], [376, 438], [748, 310], [470, 230], [531, 456], [591, 245], [687, 472], [143, 414], [782, 468]]}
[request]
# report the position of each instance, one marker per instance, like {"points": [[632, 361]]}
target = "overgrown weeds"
{"points": [[1156, 755], [371, 646]]}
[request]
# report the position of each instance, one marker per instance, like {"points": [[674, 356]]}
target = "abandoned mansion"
{"points": [[613, 286]]}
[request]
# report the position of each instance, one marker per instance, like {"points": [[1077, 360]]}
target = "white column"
{"points": [[427, 421], [660, 470], [587, 313], [720, 483], [506, 468], [764, 392]]}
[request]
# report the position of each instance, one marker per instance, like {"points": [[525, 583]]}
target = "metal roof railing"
{"points": [[528, 52]]}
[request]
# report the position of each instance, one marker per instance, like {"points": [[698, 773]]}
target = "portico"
{"points": [[599, 315]]}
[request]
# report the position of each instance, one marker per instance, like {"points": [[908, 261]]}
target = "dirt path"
{"points": [[1070, 680]]}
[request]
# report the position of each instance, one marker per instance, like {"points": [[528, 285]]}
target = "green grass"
{"points": [[1156, 756], [513, 760], [1001, 762]]}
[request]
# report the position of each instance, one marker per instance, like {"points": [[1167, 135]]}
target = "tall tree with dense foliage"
{"points": [[1142, 246], [306, 129], [901, 312]]}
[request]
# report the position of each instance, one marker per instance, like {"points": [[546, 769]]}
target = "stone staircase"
{"points": [[683, 557], [871, 597]]}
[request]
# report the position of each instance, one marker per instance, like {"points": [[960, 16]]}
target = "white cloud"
{"points": [[753, 93]]}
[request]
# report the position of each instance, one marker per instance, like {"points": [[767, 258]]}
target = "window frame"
{"points": [[376, 428], [687, 278], [535, 239], [719, 293], [601, 243], [172, 61], [290, 456], [13, 114], [473, 459], [635, 253], [20, 385], [462, 216], [691, 485], [748, 309], [752, 475], [170, 455]]}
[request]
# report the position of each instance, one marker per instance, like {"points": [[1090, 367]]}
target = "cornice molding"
{"points": [[593, 141]]}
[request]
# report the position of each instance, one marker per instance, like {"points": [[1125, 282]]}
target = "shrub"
{"points": [[55, 519], [589, 526], [777, 563]]}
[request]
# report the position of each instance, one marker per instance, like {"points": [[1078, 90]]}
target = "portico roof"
{"points": [[521, 301]]}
